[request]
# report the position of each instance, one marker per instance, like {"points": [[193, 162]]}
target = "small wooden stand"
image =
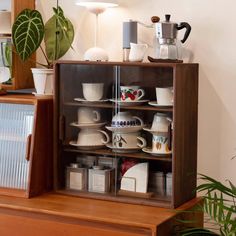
{"points": [[151, 59], [135, 194]]}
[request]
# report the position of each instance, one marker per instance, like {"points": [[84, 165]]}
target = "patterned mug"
{"points": [[131, 93]]}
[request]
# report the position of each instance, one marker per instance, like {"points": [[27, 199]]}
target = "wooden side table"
{"points": [[58, 215]]}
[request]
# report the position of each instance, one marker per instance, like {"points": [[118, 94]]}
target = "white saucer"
{"points": [[86, 101], [126, 129], [85, 126], [156, 132], [155, 104], [123, 150], [42, 95], [128, 103], [149, 150], [87, 147]]}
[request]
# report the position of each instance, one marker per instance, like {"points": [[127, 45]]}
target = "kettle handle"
{"points": [[188, 30]]}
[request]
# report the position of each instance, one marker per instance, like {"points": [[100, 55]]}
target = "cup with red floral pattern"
{"points": [[131, 93]]}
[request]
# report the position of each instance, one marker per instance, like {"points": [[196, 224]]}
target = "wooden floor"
{"points": [[58, 215]]}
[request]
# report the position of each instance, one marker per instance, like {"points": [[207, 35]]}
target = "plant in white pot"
{"points": [[28, 32]]}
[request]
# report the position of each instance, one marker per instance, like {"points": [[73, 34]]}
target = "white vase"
{"points": [[43, 81]]}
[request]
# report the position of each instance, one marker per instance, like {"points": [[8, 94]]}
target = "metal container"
{"points": [[100, 180], [157, 182], [169, 184], [76, 177]]}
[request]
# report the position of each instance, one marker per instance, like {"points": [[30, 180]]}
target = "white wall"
{"points": [[212, 43]]}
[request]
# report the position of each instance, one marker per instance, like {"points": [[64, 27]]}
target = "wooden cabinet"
{"points": [[21, 71], [182, 163], [25, 145]]}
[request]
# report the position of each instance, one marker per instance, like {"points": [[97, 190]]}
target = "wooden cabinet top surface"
{"points": [[94, 210], [120, 63], [21, 99]]}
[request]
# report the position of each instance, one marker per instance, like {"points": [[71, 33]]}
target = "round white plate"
{"points": [[126, 129], [86, 101], [156, 132], [149, 150], [83, 147], [155, 104], [123, 150], [42, 95], [85, 126], [128, 103]]}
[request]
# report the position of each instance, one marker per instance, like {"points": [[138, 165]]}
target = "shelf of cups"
{"points": [[137, 155], [113, 106]]}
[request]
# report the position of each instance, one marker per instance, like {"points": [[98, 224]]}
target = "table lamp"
{"points": [[96, 7]]}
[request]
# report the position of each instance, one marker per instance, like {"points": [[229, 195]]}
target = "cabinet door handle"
{"points": [[28, 147], [62, 128]]}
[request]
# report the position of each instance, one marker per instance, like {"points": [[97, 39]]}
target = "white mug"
{"points": [[161, 123], [93, 91], [131, 93], [88, 115], [89, 137], [160, 144], [165, 96], [128, 140], [137, 51]]}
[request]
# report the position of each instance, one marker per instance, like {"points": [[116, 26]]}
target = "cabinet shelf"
{"points": [[112, 106], [108, 152]]}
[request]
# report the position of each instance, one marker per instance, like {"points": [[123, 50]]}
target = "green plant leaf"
{"points": [[27, 33], [59, 35], [212, 185], [196, 232], [232, 187]]}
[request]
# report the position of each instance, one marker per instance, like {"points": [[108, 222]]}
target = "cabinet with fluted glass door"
{"points": [[126, 132], [14, 73]]}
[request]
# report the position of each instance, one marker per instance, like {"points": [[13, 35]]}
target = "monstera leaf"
{"points": [[59, 35], [27, 33]]}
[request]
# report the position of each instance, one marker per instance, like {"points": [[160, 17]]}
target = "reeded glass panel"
{"points": [[16, 123]]}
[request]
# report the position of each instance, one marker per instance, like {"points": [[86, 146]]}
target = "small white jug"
{"points": [[137, 51]]}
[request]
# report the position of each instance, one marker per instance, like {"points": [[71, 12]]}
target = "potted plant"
{"points": [[28, 32], [219, 208]]}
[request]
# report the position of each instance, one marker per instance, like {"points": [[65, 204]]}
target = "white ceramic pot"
{"points": [[43, 81]]}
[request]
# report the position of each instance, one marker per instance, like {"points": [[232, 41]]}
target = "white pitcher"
{"points": [[137, 51]]}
